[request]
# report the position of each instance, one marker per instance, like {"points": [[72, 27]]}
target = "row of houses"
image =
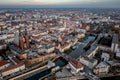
{"points": [[8, 68]]}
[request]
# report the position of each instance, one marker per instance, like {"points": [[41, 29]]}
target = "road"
{"points": [[89, 74]]}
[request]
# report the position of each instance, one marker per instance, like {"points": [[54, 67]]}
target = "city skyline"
{"points": [[61, 3], [59, 40]]}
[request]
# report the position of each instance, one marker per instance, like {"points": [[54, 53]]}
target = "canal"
{"points": [[60, 62]]}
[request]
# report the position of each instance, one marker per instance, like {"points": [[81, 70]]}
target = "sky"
{"points": [[60, 3]]}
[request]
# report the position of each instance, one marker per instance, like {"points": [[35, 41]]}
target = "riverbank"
{"points": [[28, 74]]}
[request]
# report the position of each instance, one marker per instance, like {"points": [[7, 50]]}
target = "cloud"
{"points": [[62, 2]]}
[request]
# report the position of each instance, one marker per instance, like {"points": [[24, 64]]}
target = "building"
{"points": [[49, 48], [102, 67], [105, 56], [109, 42], [117, 26], [84, 28], [24, 40], [2, 45], [90, 62], [27, 39], [41, 50], [115, 41], [12, 69], [41, 58], [3, 37], [4, 64], [18, 52], [46, 49], [118, 54], [9, 39], [64, 47], [75, 66]]}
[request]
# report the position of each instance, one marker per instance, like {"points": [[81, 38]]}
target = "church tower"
{"points": [[27, 39], [21, 40]]}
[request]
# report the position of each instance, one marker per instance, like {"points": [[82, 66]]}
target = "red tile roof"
{"points": [[12, 67], [75, 63], [84, 25], [3, 62]]}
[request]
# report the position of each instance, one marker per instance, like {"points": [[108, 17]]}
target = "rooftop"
{"points": [[3, 62], [102, 65], [16, 49], [75, 63], [115, 38], [12, 67]]}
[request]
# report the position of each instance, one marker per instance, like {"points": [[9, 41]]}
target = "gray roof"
{"points": [[18, 50], [102, 65], [80, 50], [77, 52], [49, 46], [115, 38]]}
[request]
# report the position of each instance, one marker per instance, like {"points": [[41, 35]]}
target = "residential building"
{"points": [[12, 69], [102, 67], [75, 66], [90, 62]]}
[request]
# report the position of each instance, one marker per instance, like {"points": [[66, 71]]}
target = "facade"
{"points": [[91, 53], [105, 48], [12, 69], [105, 56], [102, 67], [4, 64], [118, 54], [41, 50], [27, 39], [64, 47], [115, 41], [75, 66], [3, 46], [23, 40], [41, 58], [9, 39], [49, 49], [90, 62]]}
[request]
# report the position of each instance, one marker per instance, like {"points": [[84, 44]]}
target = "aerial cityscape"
{"points": [[60, 40]]}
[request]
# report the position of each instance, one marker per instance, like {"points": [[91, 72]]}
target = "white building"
{"points": [[118, 53], [2, 37], [49, 48], [105, 56], [90, 62], [64, 47], [102, 67]]}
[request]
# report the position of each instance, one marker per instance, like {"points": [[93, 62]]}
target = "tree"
{"points": [[7, 52]]}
